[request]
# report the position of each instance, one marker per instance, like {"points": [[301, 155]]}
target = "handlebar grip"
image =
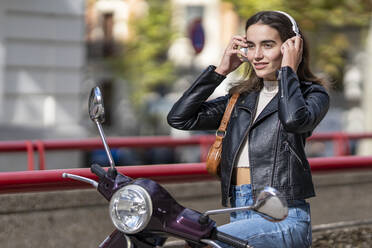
{"points": [[98, 170], [230, 240]]}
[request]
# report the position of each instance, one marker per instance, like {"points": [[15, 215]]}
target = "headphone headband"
{"points": [[294, 24]]}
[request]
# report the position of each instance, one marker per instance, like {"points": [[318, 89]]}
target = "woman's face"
{"points": [[264, 53]]}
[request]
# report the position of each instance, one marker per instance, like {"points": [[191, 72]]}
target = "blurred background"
{"points": [[144, 54]]}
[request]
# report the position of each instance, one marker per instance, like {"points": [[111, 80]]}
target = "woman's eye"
{"points": [[268, 45]]}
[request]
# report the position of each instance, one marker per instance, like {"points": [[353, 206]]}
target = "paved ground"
{"points": [[360, 237]]}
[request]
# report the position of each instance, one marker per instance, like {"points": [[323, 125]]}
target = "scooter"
{"points": [[146, 215]]}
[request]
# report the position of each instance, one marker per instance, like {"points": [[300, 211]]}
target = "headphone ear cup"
{"points": [[245, 51]]}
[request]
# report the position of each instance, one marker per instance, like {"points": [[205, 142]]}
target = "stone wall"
{"points": [[80, 218]]}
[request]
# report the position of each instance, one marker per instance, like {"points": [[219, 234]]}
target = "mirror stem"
{"points": [[107, 149], [228, 210], [205, 216]]}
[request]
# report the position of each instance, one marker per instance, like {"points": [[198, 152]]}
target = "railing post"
{"points": [[341, 146], [41, 150], [30, 155]]}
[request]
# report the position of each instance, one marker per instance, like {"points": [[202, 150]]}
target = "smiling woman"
{"points": [[280, 104], [264, 50], [292, 44]]}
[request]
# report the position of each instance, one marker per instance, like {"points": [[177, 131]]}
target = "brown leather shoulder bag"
{"points": [[214, 154]]}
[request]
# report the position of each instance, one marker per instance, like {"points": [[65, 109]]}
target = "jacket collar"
{"points": [[270, 108], [250, 100]]}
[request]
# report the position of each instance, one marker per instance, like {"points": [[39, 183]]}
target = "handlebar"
{"points": [[231, 240], [80, 178], [98, 170]]}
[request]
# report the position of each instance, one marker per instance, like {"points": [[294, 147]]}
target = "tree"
{"points": [[144, 64], [324, 22]]}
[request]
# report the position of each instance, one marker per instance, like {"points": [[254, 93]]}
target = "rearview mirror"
{"points": [[96, 108], [270, 205], [97, 115]]}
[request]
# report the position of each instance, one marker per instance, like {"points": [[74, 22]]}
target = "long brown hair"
{"points": [[278, 21]]}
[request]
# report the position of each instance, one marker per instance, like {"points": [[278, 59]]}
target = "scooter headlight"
{"points": [[131, 209]]}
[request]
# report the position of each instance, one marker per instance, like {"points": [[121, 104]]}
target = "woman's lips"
{"points": [[260, 66]]}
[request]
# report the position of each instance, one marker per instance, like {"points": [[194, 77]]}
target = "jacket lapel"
{"points": [[270, 108], [248, 102]]}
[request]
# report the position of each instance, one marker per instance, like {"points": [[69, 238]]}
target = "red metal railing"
{"points": [[341, 147], [46, 180], [40, 146], [340, 140]]}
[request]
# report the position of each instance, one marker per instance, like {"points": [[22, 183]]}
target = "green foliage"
{"points": [[315, 16], [331, 56], [312, 13], [144, 63]]}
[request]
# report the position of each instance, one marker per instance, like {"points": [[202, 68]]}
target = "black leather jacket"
{"points": [[276, 138]]}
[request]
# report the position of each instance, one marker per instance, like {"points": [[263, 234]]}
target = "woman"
{"points": [[279, 106]]}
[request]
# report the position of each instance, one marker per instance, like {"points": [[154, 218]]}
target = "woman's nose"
{"points": [[258, 55]]}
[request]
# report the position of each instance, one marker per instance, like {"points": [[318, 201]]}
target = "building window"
{"points": [[108, 36]]}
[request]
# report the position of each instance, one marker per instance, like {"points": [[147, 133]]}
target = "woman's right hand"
{"points": [[232, 57]]}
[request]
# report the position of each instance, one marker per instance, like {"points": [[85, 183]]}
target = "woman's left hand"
{"points": [[292, 52]]}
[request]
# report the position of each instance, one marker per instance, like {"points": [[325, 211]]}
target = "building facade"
{"points": [[42, 58]]}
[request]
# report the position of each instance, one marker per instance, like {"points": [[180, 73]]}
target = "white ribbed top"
{"points": [[266, 95]]}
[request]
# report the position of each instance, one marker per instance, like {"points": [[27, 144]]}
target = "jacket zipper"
{"points": [[240, 145], [281, 88], [275, 154], [295, 154]]}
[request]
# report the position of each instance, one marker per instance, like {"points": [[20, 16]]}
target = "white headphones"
{"points": [[294, 23], [294, 28]]}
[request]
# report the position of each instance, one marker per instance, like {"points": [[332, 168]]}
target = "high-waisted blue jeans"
{"points": [[294, 231]]}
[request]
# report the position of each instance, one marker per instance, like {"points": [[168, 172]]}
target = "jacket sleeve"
{"points": [[192, 111], [300, 112]]}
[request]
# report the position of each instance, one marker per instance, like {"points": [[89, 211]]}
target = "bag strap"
{"points": [[226, 115]]}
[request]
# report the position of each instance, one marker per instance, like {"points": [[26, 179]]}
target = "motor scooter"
{"points": [[146, 215]]}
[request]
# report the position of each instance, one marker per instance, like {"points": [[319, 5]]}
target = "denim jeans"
{"points": [[294, 231]]}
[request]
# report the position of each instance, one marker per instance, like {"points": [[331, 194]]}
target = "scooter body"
{"points": [[145, 214], [169, 218]]}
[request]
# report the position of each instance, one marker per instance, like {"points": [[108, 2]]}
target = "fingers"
{"points": [[233, 57], [298, 43], [292, 52], [237, 41], [239, 38], [235, 47], [293, 44]]}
